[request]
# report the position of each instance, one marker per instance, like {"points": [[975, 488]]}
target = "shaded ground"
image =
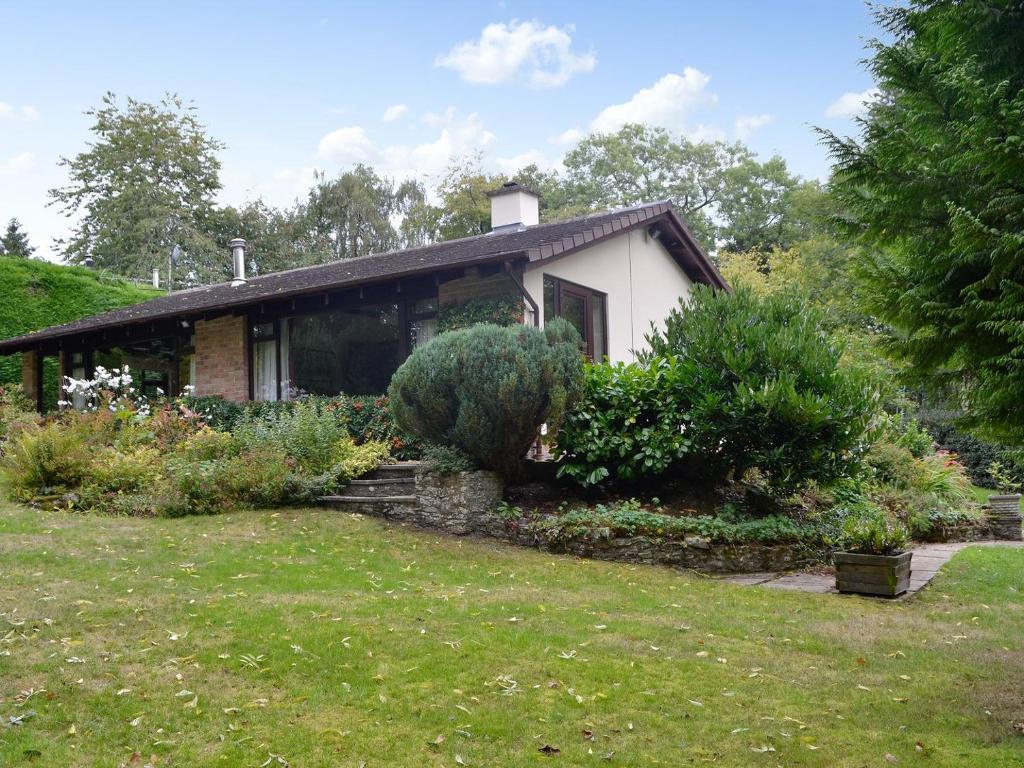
{"points": [[334, 640]]}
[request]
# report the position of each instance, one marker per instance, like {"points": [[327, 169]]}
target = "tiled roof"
{"points": [[535, 243]]}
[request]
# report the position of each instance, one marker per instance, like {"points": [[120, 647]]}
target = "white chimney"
{"points": [[238, 259], [514, 207], [156, 277]]}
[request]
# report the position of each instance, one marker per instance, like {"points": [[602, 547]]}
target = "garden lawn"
{"points": [[316, 638]]}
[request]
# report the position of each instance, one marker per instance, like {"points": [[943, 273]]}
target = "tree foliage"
{"points": [[933, 185], [354, 214], [146, 183], [765, 387], [721, 189], [15, 241]]}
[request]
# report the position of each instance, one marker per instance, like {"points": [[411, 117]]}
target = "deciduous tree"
{"points": [[146, 183]]}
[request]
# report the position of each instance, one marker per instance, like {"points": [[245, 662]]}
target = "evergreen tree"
{"points": [[15, 242], [933, 186]]}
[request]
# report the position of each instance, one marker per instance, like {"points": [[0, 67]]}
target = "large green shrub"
{"points": [[487, 389], [629, 424], [46, 459], [764, 388]]}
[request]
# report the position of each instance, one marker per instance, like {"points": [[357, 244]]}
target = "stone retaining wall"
{"points": [[463, 504], [694, 552]]}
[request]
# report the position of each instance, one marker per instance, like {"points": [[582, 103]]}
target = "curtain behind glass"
{"points": [[264, 371]]}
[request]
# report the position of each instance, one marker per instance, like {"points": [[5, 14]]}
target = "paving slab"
{"points": [[927, 561]]}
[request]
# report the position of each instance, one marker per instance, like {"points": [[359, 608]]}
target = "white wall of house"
{"points": [[641, 279]]}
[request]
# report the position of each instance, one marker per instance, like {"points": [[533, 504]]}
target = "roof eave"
{"points": [[30, 341]]}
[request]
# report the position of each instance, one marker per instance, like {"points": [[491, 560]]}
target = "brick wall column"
{"points": [[30, 376], [222, 358]]}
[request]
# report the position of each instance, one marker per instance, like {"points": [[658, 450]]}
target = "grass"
{"points": [[322, 639], [981, 494]]}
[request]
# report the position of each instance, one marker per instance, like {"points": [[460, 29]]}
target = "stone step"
{"points": [[381, 500], [401, 470], [389, 486]]}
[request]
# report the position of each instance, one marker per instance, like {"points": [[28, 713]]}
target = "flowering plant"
{"points": [[112, 390]]}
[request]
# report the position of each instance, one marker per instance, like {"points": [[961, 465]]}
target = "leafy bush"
{"points": [[115, 472], [218, 413], [629, 423], [487, 389], [872, 532], [16, 410], [36, 294], [976, 455], [505, 310], [1006, 478], [764, 387], [351, 460], [890, 463], [193, 488], [307, 432], [207, 444], [943, 477], [46, 459], [258, 477], [444, 460], [370, 419], [630, 518]]}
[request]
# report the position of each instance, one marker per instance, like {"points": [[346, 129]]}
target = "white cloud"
{"points": [[394, 112], [746, 125], [668, 103], [702, 132], [457, 136], [24, 112], [23, 162], [570, 136], [509, 165], [542, 56], [851, 104], [347, 146]]}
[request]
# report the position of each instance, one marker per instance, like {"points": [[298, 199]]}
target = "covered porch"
{"points": [[328, 342]]}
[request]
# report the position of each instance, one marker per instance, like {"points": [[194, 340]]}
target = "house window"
{"points": [[585, 308], [353, 350], [78, 371], [422, 322], [263, 352]]}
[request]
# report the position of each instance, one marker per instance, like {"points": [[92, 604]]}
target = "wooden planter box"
{"points": [[882, 575]]}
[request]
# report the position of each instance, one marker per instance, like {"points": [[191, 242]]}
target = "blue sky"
{"points": [[292, 87]]}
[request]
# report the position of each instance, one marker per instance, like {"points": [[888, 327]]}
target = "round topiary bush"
{"points": [[486, 390]]}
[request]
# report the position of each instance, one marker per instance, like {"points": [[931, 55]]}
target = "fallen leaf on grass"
{"points": [[547, 749]]}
